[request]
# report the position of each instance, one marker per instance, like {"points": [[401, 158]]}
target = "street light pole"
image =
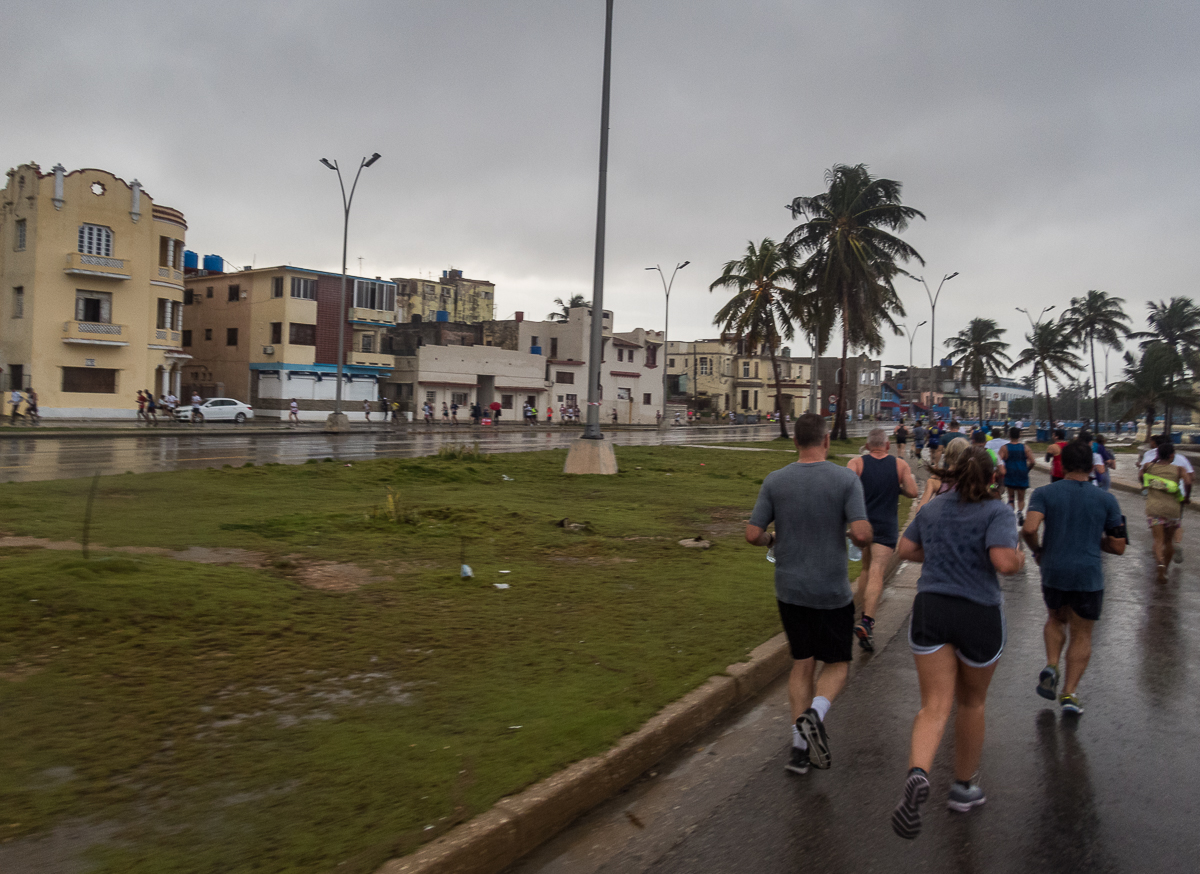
{"points": [[933, 299], [1034, 326], [336, 420], [911, 336], [666, 321]]}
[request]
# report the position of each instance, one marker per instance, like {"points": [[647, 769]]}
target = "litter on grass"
{"points": [[506, 477], [504, 572], [465, 572], [500, 585]]}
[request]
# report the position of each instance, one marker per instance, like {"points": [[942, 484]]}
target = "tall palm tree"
{"points": [[852, 257], [1148, 386], [563, 313], [1096, 316], [1050, 353], [764, 306], [815, 318], [1176, 324], [980, 352]]}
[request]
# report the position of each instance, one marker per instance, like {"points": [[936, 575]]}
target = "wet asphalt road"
{"points": [[69, 457], [1114, 791]]}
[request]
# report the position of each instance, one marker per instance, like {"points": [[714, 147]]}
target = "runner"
{"points": [[31, 406], [445, 413], [934, 485], [367, 410], [198, 416], [956, 630], [901, 440], [1108, 460], [1168, 484], [935, 444], [884, 477], [811, 503], [454, 413], [1180, 459], [293, 412], [15, 399], [1081, 523], [980, 439], [141, 404], [151, 409], [1018, 461], [1054, 454], [919, 435]]}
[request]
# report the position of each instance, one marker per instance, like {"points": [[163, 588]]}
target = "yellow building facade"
{"points": [[452, 298], [91, 291]]}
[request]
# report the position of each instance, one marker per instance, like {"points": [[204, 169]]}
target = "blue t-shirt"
{"points": [[956, 536], [1077, 513]]}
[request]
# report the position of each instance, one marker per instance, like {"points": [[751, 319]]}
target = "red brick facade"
{"points": [[329, 289]]}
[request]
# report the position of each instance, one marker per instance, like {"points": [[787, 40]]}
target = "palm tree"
{"points": [[815, 318], [563, 313], [1148, 386], [1097, 317], [764, 305], [1177, 325], [980, 353], [1049, 351], [852, 257]]}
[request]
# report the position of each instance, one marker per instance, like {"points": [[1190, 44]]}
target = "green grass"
{"points": [[235, 719]]}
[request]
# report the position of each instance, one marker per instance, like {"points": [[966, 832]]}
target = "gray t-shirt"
{"points": [[956, 537], [811, 504]]}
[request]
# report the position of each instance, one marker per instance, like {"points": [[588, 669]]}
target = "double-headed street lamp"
{"points": [[933, 299], [911, 336], [1034, 325], [666, 321], [335, 419]]}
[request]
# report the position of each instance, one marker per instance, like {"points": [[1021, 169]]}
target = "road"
{"points": [[1112, 792]]}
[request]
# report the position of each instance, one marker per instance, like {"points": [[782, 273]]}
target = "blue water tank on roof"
{"points": [[214, 263], [535, 350], [191, 261], [442, 316]]}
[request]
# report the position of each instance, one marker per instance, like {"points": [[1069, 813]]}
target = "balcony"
{"points": [[171, 275], [79, 264], [379, 317], [95, 333], [164, 338], [371, 359]]}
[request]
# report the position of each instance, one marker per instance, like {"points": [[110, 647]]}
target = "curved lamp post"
{"points": [[335, 420], [933, 299], [666, 321], [911, 336], [1034, 325]]}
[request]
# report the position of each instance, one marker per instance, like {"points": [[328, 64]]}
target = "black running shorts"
{"points": [[976, 631], [1086, 605], [826, 635]]}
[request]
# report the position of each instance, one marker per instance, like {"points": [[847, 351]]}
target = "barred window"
{"points": [[95, 240]]}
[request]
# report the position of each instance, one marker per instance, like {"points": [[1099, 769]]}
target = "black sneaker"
{"points": [[797, 761], [865, 632], [813, 731], [906, 818], [1048, 682]]}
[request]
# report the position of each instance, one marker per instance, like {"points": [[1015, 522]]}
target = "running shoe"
{"points": [[1020, 518], [797, 761], [812, 729], [865, 632], [963, 798], [1048, 682], [1178, 555], [1070, 704], [906, 818]]}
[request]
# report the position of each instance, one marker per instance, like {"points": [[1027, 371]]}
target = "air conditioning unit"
{"points": [[268, 350], [245, 294]]}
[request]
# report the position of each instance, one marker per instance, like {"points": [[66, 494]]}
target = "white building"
{"points": [[465, 375]]}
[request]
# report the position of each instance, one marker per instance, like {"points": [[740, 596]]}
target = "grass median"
{"points": [[311, 685]]}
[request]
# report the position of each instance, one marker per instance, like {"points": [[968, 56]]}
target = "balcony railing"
{"points": [[170, 274], [167, 336], [96, 265], [95, 333], [359, 314], [373, 359]]}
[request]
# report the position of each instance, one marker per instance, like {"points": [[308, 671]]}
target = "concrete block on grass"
{"points": [[546, 807], [767, 662], [483, 845]]}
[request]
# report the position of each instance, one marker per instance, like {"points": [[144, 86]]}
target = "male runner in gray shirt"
{"points": [[811, 503]]}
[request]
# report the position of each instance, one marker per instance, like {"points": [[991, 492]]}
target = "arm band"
{"points": [[1118, 531]]}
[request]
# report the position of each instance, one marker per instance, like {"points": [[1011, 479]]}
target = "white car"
{"points": [[217, 410]]}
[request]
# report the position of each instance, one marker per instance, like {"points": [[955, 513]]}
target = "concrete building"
{"points": [[452, 298], [91, 289], [267, 335], [466, 374], [863, 379], [723, 374]]}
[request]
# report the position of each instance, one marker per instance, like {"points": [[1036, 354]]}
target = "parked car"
{"points": [[217, 410]]}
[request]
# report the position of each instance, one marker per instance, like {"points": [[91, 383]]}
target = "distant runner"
{"points": [[1018, 461]]}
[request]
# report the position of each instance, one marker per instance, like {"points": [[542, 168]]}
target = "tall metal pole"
{"points": [[1034, 326], [591, 430], [911, 337], [666, 321], [933, 299]]}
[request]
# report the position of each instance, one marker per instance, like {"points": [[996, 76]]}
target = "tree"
{"points": [[980, 352], [1049, 351], [1097, 316], [1148, 386], [563, 313], [852, 257], [764, 305], [1176, 324]]}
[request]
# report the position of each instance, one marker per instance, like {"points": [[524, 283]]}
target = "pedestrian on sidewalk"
{"points": [[884, 478], [293, 413], [445, 414], [812, 502], [1081, 523], [1018, 461], [956, 631]]}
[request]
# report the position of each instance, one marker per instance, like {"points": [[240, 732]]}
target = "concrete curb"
{"points": [[518, 824]]}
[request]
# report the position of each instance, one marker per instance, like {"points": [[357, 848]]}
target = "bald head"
{"points": [[877, 439]]}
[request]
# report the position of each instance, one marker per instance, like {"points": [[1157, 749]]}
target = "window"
{"points": [[646, 399], [208, 291], [652, 356], [231, 336], [189, 297], [629, 356], [170, 253], [93, 306], [566, 377], [624, 394], [187, 338], [167, 310], [620, 354], [369, 295], [366, 343], [302, 335], [235, 293], [506, 402], [670, 362], [95, 240], [430, 397], [18, 311], [745, 371], [20, 241], [276, 286], [276, 332], [553, 347], [458, 397], [208, 333], [705, 368], [304, 289], [533, 341], [756, 373], [745, 400], [89, 380]]}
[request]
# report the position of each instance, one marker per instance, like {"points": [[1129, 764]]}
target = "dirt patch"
{"points": [[333, 576], [15, 542], [198, 554], [19, 672], [591, 560], [725, 522]]}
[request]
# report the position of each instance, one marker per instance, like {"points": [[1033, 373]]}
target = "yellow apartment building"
{"points": [[451, 298], [91, 291]]}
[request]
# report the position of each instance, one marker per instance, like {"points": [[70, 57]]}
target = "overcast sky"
{"points": [[1052, 146]]}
